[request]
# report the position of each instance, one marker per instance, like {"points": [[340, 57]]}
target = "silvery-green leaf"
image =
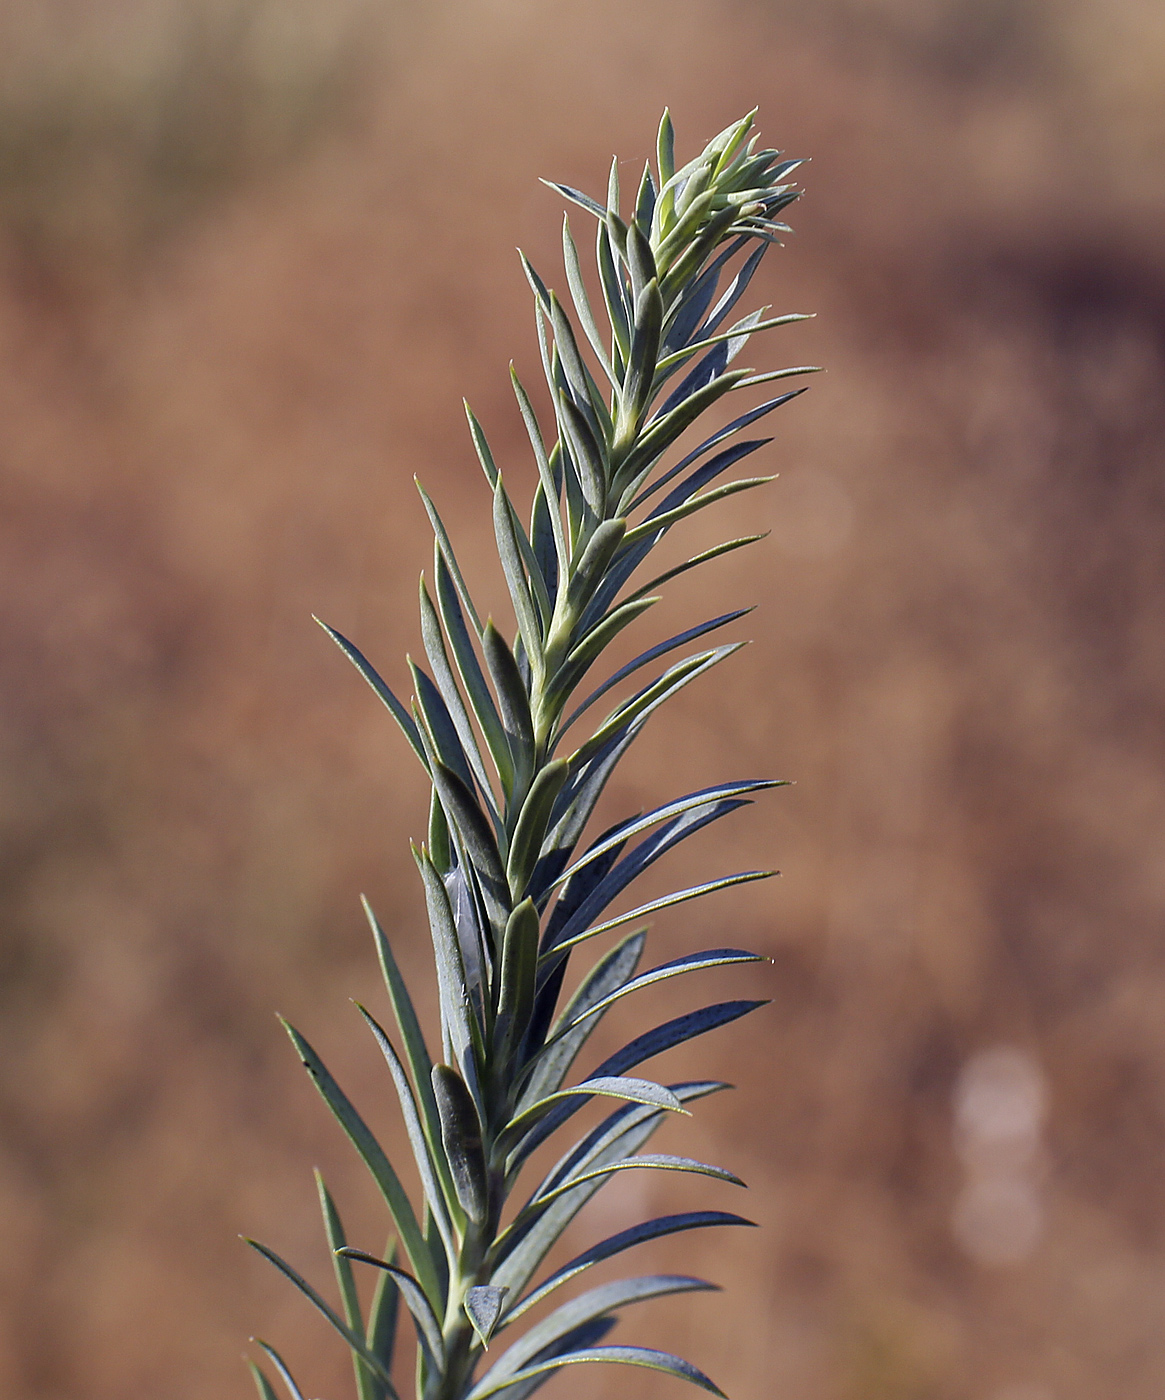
{"points": [[473, 828], [505, 526], [594, 642], [522, 1247], [640, 261], [416, 1051], [593, 562], [590, 1305], [662, 1161], [471, 673], [623, 831], [452, 989], [586, 453], [481, 446], [616, 1244], [612, 970], [588, 1335], [582, 303], [615, 297], [666, 901], [439, 724], [651, 697], [424, 1318], [584, 201], [450, 558], [714, 441], [281, 1366], [519, 970], [694, 563], [545, 472], [395, 1197], [690, 962], [605, 1086], [392, 704], [461, 1137], [422, 1152], [644, 1047], [645, 202], [451, 693], [483, 1307], [678, 828], [533, 821], [645, 658], [367, 1387], [642, 366], [694, 504], [382, 1317], [626, 1356], [513, 704], [263, 1385], [356, 1342]]}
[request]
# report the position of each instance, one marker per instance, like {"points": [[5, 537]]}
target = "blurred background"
{"points": [[252, 253]]}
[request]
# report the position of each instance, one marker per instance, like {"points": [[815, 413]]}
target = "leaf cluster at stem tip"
{"points": [[519, 740]]}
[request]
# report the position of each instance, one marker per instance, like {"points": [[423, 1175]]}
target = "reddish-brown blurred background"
{"points": [[252, 253]]}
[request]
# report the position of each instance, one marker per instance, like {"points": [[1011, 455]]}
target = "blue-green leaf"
{"points": [[374, 1158], [393, 705], [586, 1307], [367, 1387], [424, 1318], [422, 1153], [355, 1341], [626, 1356], [616, 1244], [281, 1366], [483, 1307]]}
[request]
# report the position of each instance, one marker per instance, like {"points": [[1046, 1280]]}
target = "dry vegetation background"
{"points": [[251, 255]]}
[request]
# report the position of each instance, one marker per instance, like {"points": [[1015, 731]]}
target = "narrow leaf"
{"points": [[587, 1306], [357, 1343], [422, 1152], [425, 1319], [366, 1381], [626, 1356], [616, 1244], [461, 1136], [399, 1205], [281, 1366], [395, 708]]}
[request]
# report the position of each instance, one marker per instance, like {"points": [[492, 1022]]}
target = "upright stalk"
{"points": [[491, 720]]}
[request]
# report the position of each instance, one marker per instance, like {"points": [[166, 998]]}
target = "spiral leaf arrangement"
{"points": [[517, 765]]}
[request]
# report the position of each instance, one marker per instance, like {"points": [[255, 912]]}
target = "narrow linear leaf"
{"points": [[366, 1381], [422, 1153], [663, 1161], [604, 1086], [416, 1051], [281, 1366], [356, 1342], [446, 546], [626, 1356], [461, 1136], [427, 1326], [263, 1385], [690, 962], [587, 1306], [616, 1244], [395, 1197], [666, 902], [368, 671]]}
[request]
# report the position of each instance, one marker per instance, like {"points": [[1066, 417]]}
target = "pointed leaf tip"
{"points": [[483, 1307]]}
